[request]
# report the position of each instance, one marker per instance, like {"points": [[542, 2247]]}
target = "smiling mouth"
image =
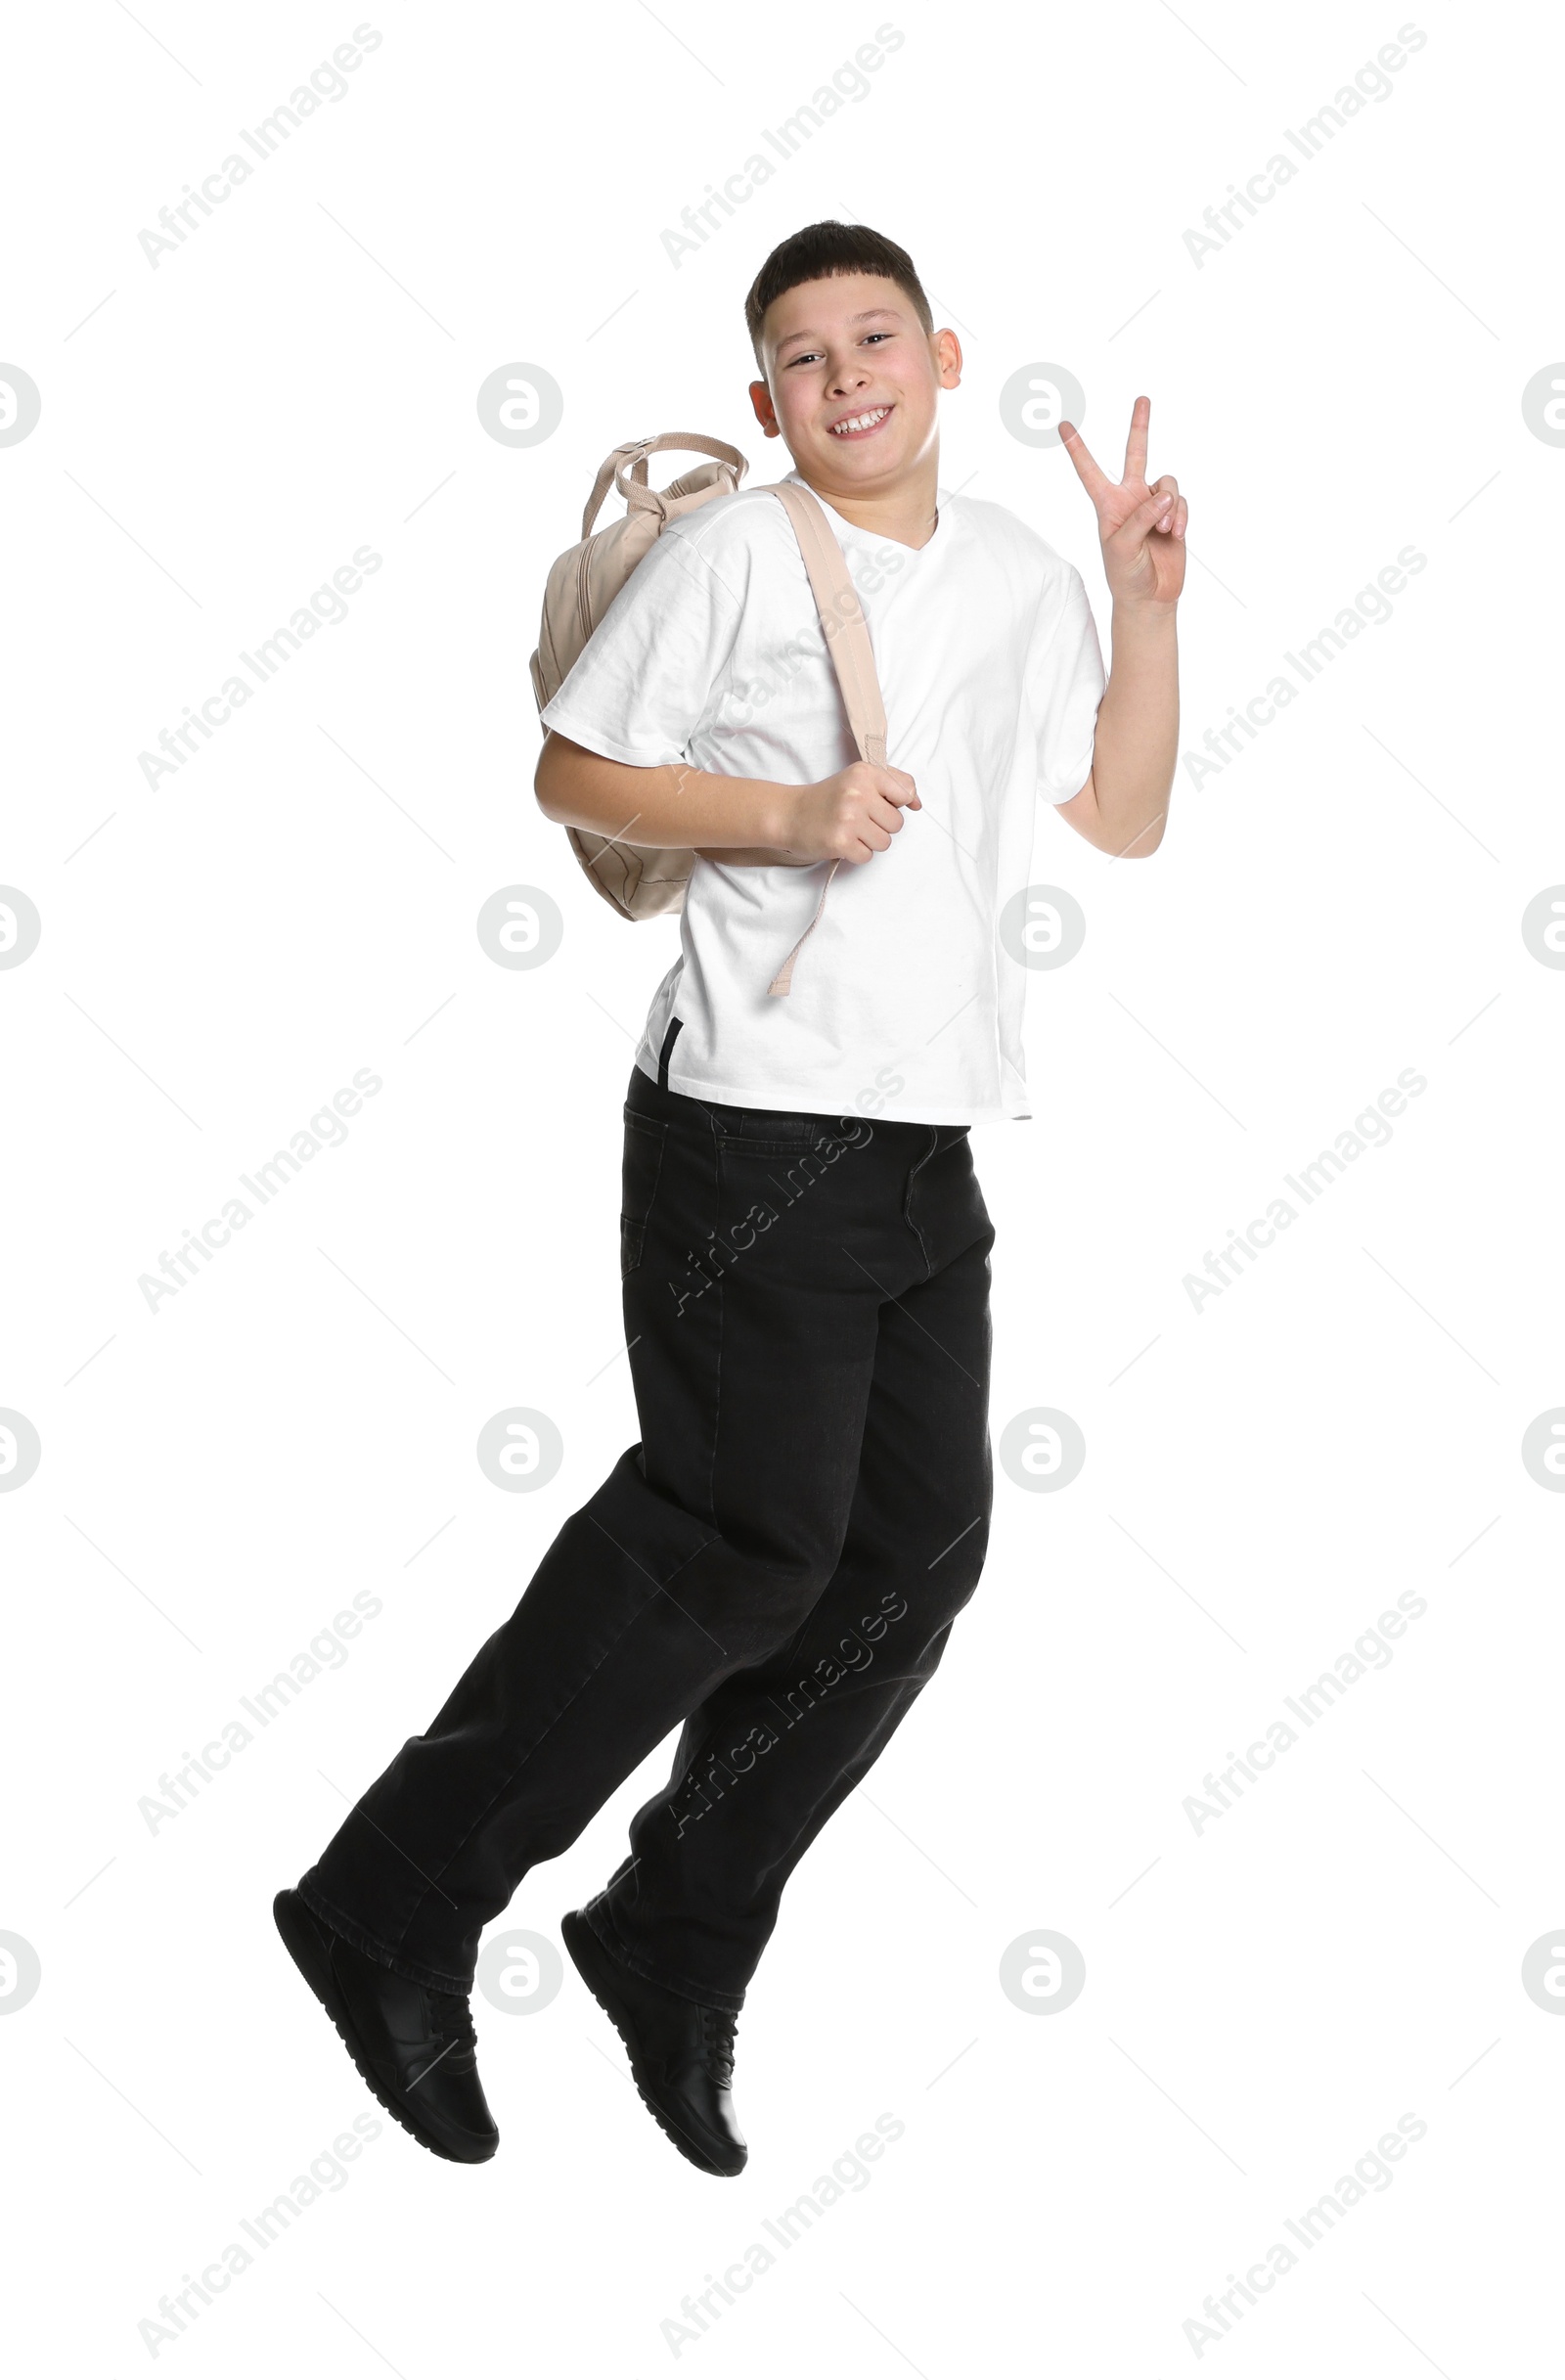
{"points": [[861, 424]]}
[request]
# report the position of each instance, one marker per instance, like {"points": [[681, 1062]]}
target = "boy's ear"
{"points": [[765, 411], [946, 348]]}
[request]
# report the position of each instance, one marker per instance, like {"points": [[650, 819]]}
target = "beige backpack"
{"points": [[640, 883]]}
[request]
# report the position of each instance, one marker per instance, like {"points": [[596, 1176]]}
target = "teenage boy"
{"points": [[776, 1566]]}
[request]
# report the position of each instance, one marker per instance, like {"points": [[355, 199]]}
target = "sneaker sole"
{"points": [[301, 1939], [596, 1970]]}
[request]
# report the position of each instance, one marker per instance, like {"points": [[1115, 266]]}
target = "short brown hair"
{"points": [[820, 252]]}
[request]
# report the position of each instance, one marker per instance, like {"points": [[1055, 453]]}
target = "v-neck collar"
{"points": [[914, 553]]}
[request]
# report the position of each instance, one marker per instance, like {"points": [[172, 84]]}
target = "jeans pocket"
{"points": [[644, 1138]]}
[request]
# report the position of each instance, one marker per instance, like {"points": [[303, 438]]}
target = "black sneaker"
{"points": [[416, 2048], [681, 2053]]}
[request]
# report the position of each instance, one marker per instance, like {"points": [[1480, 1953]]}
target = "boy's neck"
{"points": [[907, 513]]}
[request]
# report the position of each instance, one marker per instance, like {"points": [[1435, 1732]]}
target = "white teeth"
{"points": [[862, 420]]}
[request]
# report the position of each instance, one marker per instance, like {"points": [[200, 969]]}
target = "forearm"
{"points": [[1137, 740], [665, 809]]}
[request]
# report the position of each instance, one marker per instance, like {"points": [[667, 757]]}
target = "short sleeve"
{"points": [[1065, 684], [643, 680]]}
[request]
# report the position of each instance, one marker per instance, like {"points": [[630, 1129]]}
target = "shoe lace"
{"points": [[452, 2019], [718, 2029]]}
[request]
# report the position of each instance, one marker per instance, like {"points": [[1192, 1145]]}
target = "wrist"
{"points": [[1138, 615], [779, 813]]}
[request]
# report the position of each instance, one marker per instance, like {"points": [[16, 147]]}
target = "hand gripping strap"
{"points": [[842, 624]]}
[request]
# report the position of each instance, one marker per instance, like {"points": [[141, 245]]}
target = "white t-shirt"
{"points": [[904, 1002]]}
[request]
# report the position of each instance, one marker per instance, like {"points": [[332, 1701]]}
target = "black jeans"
{"points": [[776, 1564]]}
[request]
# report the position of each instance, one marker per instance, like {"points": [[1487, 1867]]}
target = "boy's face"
{"points": [[836, 350]]}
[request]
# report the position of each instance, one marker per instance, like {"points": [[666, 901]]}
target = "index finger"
{"points": [[1091, 478], [1135, 442]]}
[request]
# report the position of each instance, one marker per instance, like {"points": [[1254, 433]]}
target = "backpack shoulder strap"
{"points": [[842, 621], [847, 636]]}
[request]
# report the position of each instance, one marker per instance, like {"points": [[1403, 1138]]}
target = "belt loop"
{"points": [[668, 1043]]}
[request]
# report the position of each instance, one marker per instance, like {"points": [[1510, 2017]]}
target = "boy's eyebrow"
{"points": [[869, 314]]}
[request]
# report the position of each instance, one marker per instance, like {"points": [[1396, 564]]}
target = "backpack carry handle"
{"points": [[626, 466]]}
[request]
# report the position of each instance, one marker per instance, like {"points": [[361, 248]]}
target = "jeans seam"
{"points": [[510, 1776]]}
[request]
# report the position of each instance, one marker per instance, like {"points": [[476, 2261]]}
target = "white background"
{"points": [[1343, 1424]]}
